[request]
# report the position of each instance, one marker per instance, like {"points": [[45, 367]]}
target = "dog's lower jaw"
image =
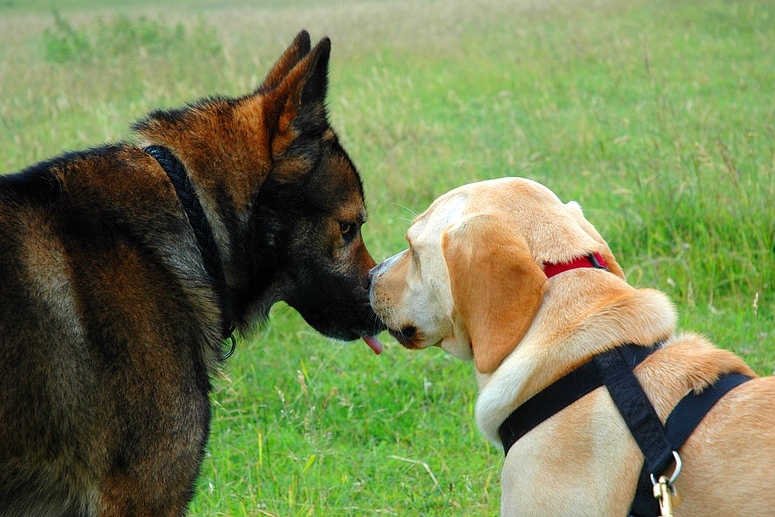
{"points": [[458, 345], [256, 313], [408, 337]]}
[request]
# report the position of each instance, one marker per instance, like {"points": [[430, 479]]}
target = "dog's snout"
{"points": [[380, 268], [371, 275], [376, 271]]}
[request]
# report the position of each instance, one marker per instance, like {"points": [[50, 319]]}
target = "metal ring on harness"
{"points": [[231, 350], [676, 471]]}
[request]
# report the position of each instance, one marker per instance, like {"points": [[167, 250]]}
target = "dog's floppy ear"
{"points": [[585, 225], [292, 55], [496, 286], [296, 106]]}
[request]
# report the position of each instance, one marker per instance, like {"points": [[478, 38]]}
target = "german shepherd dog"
{"points": [[124, 267]]}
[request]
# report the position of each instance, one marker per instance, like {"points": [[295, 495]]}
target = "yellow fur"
{"points": [[472, 282]]}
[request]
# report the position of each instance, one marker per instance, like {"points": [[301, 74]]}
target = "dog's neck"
{"points": [[583, 313], [211, 256]]}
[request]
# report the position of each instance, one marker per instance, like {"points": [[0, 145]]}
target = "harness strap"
{"points": [[614, 369], [680, 424], [636, 409], [562, 393]]}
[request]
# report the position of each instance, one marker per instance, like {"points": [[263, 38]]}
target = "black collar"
{"points": [[205, 240]]}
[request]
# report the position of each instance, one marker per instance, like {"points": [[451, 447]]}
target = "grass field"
{"points": [[657, 116]]}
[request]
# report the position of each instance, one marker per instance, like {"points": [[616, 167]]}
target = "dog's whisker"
{"points": [[412, 212]]}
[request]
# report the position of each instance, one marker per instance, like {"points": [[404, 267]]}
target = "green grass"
{"points": [[658, 117]]}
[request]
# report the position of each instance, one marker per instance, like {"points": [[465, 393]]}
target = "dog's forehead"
{"points": [[450, 207], [445, 211], [509, 193], [336, 185]]}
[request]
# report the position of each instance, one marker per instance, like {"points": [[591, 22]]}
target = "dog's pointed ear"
{"points": [[292, 55], [610, 262], [296, 106], [496, 286]]}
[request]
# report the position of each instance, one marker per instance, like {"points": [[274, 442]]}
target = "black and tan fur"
{"points": [[110, 327]]}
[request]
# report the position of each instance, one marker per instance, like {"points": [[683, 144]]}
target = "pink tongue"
{"points": [[374, 343]]}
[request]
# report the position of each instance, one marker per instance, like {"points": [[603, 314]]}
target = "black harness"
{"points": [[614, 369], [205, 240]]}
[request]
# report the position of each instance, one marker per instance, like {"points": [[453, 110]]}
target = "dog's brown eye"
{"points": [[348, 230]]}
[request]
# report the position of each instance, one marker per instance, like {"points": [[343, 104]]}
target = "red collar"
{"points": [[594, 260]]}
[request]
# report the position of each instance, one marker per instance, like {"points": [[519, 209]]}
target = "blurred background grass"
{"points": [[658, 117]]}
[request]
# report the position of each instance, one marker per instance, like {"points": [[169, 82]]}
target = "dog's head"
{"points": [[472, 279], [310, 209], [288, 200]]}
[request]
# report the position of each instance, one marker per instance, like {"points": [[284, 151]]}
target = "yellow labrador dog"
{"points": [[503, 273]]}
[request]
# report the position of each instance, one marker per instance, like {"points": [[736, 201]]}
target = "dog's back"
{"points": [[28, 305], [80, 282]]}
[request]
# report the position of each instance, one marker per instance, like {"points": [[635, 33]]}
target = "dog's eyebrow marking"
{"points": [[350, 215], [416, 228], [455, 207]]}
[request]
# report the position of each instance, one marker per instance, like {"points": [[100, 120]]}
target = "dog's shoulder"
{"points": [[107, 188], [37, 184], [47, 181], [686, 362]]}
